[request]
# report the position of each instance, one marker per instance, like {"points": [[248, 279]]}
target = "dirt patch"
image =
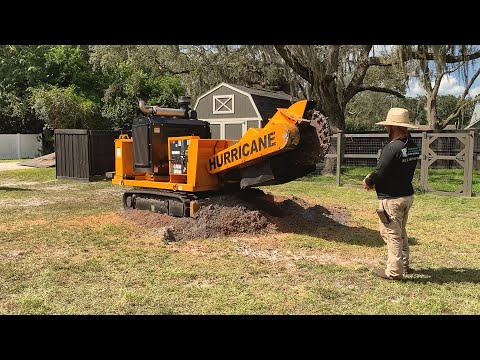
{"points": [[25, 202], [12, 254], [92, 221], [19, 184], [289, 257], [227, 215], [7, 226], [62, 187], [12, 166], [110, 191]]}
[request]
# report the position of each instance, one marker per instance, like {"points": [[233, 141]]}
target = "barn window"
{"points": [[223, 104]]}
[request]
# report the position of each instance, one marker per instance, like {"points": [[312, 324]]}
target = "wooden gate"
{"points": [[447, 148]]}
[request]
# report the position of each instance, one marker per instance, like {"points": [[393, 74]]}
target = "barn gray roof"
{"points": [[263, 92], [266, 101]]}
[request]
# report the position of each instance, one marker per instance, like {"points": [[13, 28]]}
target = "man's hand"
{"points": [[366, 187]]}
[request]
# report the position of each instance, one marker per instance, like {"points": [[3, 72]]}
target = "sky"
{"points": [[452, 84]]}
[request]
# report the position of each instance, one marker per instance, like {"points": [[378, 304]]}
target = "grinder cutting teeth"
{"points": [[311, 146], [314, 138]]}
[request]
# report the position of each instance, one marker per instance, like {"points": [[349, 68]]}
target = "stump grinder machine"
{"points": [[173, 166]]}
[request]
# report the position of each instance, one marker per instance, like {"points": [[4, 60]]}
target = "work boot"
{"points": [[381, 273]]}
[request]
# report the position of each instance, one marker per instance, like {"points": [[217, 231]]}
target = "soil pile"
{"points": [[227, 215], [41, 161]]}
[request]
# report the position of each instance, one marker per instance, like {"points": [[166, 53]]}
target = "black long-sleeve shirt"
{"points": [[395, 168]]}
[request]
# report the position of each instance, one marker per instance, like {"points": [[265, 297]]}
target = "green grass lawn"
{"points": [[439, 179], [66, 249]]}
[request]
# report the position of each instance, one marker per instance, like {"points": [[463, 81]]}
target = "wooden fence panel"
{"points": [[439, 150]]}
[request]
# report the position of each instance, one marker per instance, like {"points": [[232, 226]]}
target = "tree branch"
{"points": [[302, 89], [449, 58], [296, 66], [461, 103], [470, 83], [166, 69], [419, 55], [453, 69], [425, 78], [453, 116], [380, 61], [363, 64], [364, 87]]}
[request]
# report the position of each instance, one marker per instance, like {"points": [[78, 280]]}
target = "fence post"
{"points": [[339, 156], [468, 171], [424, 164], [18, 147]]}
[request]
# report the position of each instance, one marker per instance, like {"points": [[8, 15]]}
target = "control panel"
{"points": [[178, 157]]}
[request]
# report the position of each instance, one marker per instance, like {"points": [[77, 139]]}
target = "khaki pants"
{"points": [[395, 234]]}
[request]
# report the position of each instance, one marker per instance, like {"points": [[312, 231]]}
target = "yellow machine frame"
{"points": [[208, 159]]}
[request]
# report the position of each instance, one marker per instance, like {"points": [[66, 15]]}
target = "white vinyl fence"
{"points": [[20, 146]]}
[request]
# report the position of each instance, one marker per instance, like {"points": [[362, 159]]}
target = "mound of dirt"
{"points": [[224, 215], [41, 161], [228, 215]]}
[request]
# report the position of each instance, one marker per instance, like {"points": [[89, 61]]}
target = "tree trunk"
{"points": [[336, 117], [330, 105], [432, 110]]}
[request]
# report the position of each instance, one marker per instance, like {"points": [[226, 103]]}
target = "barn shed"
{"points": [[232, 109], [475, 120]]}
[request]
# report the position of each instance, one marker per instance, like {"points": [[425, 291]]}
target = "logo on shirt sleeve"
{"points": [[410, 154]]}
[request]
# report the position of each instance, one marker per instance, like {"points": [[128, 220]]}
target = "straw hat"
{"points": [[397, 117]]}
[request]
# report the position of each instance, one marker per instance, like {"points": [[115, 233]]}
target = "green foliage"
{"points": [[365, 109], [417, 109], [21, 67], [368, 107], [200, 67], [128, 83], [70, 66], [64, 109], [27, 70], [101, 84], [446, 105]]}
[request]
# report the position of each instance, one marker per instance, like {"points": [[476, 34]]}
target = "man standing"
{"points": [[392, 180]]}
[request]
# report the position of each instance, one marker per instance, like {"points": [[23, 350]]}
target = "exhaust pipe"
{"points": [[159, 111], [147, 110]]}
